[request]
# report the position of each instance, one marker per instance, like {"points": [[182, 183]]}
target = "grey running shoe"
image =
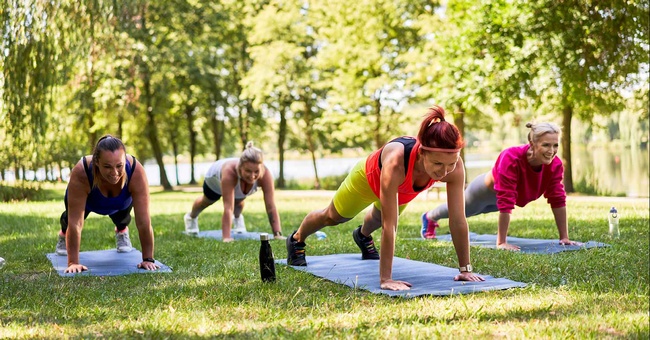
{"points": [[123, 242], [191, 224], [366, 244], [295, 252], [61, 250]]}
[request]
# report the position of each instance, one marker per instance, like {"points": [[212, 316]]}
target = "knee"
{"points": [[332, 218]]}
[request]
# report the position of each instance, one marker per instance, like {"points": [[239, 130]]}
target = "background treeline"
{"points": [[197, 79]]}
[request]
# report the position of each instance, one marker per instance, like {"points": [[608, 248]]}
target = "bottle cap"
{"points": [[264, 237], [613, 210]]}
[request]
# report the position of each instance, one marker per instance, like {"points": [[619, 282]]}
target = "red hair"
{"points": [[435, 132]]}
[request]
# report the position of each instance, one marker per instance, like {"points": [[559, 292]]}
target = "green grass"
{"points": [[215, 289]]}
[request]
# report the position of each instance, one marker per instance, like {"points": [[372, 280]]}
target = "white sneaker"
{"points": [[238, 225], [61, 250], [191, 224], [123, 241]]}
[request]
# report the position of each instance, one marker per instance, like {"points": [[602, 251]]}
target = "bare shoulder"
{"points": [[78, 178], [267, 172], [393, 154]]}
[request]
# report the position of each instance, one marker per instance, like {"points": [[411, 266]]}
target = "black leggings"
{"points": [[121, 219]]}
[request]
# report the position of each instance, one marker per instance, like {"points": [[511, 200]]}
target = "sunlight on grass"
{"points": [[215, 290]]}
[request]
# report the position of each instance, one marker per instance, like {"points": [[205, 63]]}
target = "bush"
{"points": [[26, 191]]}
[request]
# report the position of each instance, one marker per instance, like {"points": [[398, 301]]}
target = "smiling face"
{"points": [[250, 171], [438, 164], [111, 165], [544, 149]]}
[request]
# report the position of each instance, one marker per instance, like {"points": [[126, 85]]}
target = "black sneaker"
{"points": [[366, 244], [295, 252]]}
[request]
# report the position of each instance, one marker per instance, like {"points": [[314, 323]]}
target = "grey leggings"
{"points": [[479, 199]]}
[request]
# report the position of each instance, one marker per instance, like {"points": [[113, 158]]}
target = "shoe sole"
{"points": [[124, 251]]}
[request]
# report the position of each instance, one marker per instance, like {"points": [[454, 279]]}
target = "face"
{"points": [[545, 149], [438, 164], [111, 165], [250, 172]]}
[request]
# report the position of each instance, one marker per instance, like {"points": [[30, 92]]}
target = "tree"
{"points": [[573, 56]]}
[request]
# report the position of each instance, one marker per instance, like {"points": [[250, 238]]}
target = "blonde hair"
{"points": [[251, 154], [537, 130]]}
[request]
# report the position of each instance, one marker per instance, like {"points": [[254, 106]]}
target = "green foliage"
{"points": [[201, 78], [27, 191]]}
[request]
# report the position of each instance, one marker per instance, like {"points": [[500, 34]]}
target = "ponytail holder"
{"points": [[434, 120], [438, 149]]}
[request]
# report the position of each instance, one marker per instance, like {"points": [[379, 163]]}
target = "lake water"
{"points": [[604, 171], [624, 173]]}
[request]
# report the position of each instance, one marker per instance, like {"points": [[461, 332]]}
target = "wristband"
{"points": [[149, 259], [466, 269]]}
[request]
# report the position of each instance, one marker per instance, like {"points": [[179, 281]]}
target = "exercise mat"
{"points": [[105, 263], [536, 246], [426, 278]]}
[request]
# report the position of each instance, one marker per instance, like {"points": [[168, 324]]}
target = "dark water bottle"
{"points": [[267, 263]]}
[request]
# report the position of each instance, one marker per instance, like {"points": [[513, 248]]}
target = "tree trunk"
{"points": [[379, 140], [189, 109], [152, 130], [310, 140], [175, 150], [59, 177], [567, 114], [217, 136], [282, 136]]}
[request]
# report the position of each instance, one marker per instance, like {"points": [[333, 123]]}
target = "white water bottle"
{"points": [[614, 231]]}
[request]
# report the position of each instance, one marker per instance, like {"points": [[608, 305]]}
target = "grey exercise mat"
{"points": [[426, 278], [538, 246], [217, 235], [105, 263]]}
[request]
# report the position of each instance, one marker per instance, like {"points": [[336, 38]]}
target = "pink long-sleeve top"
{"points": [[516, 183]]}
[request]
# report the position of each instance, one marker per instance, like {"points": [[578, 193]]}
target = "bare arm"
{"points": [[458, 226], [229, 180], [78, 190], [392, 175], [139, 188], [563, 226], [266, 182]]}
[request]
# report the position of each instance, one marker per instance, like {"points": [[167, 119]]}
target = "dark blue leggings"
{"points": [[121, 219]]}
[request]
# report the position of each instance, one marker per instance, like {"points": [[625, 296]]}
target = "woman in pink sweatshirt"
{"points": [[521, 174]]}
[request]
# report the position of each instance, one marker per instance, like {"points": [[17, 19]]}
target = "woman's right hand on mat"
{"points": [[395, 285], [468, 276], [508, 246], [75, 268]]}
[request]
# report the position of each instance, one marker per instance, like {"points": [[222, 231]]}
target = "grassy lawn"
{"points": [[215, 289]]}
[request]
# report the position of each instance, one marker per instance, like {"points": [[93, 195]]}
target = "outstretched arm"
{"points": [[392, 175], [229, 180], [139, 188], [78, 190], [502, 234], [458, 226], [563, 226]]}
